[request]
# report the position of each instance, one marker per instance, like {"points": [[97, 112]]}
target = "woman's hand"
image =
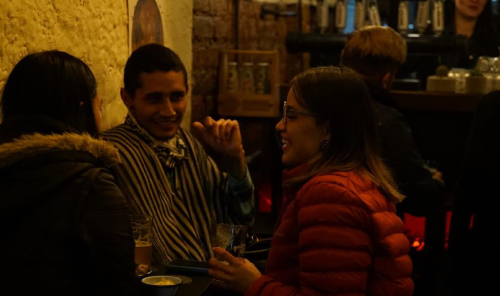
{"points": [[235, 276]]}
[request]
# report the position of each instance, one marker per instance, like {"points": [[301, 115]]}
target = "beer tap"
{"points": [[359, 14], [422, 19], [438, 17], [322, 15], [373, 13], [340, 15], [403, 17]]}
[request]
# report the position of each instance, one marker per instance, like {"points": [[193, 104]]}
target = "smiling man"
{"points": [[165, 172]]}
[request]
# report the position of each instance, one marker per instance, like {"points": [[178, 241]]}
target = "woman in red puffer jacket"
{"points": [[338, 233]]}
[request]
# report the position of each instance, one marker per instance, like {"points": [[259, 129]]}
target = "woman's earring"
{"points": [[324, 144]]}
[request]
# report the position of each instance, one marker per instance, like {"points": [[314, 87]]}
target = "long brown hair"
{"points": [[341, 101]]}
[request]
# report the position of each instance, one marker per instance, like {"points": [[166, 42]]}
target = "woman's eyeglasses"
{"points": [[287, 112]]}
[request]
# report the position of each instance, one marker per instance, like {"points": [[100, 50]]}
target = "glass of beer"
{"points": [[230, 237], [143, 234]]}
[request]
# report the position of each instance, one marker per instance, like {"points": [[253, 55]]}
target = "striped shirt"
{"points": [[181, 187]]}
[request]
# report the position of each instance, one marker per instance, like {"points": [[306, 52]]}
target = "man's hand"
{"points": [[224, 137]]}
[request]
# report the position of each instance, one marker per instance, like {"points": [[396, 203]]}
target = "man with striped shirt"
{"points": [[165, 171]]}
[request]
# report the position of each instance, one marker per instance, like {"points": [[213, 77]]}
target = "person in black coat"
{"points": [[475, 223], [65, 224], [376, 53]]}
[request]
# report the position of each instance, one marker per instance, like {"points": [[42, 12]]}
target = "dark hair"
{"points": [[54, 84], [342, 103], [148, 59], [485, 32]]}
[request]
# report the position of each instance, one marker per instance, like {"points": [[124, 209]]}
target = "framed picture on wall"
{"points": [[145, 23]]}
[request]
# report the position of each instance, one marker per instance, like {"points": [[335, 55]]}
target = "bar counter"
{"points": [[436, 101], [424, 101]]}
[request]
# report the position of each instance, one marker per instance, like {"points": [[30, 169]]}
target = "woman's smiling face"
{"points": [[301, 136]]}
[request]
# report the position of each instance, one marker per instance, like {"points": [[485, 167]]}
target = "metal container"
{"points": [[160, 285], [483, 64], [495, 65], [459, 75]]}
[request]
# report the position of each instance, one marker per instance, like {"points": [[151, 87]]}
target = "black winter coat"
{"points": [[65, 224], [475, 221], [414, 180]]}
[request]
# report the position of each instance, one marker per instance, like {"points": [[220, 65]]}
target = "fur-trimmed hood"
{"points": [[31, 145], [36, 166]]}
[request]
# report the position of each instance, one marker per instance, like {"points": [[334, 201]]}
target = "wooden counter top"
{"points": [[436, 101]]}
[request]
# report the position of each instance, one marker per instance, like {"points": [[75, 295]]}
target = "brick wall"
{"points": [[95, 31], [214, 30]]}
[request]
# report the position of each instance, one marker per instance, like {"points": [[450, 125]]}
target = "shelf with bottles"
{"points": [[249, 83]]}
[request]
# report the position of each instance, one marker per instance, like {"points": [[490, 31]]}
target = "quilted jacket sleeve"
{"points": [[334, 244]]}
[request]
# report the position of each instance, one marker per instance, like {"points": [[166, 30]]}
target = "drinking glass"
{"points": [[232, 238], [143, 234]]}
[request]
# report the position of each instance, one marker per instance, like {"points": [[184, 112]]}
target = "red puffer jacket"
{"points": [[338, 236]]}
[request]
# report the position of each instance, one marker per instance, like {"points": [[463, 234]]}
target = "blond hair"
{"points": [[374, 51]]}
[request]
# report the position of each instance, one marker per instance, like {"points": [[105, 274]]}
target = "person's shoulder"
{"points": [[123, 137], [385, 113], [334, 187], [122, 128], [102, 183], [390, 122], [349, 188]]}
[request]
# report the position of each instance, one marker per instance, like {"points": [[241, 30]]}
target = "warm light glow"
{"points": [[265, 201]]}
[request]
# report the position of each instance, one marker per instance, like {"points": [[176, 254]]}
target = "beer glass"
{"points": [[143, 234]]}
